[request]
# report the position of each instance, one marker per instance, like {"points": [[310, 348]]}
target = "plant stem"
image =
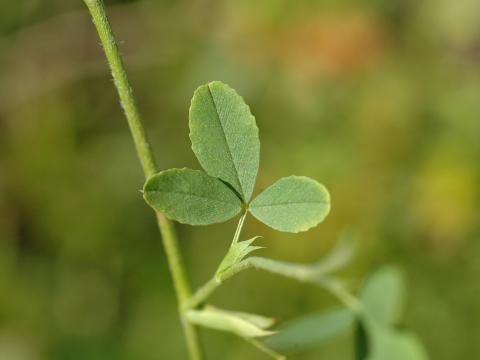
{"points": [[145, 154], [262, 347], [125, 92], [202, 294], [181, 284], [236, 236], [342, 294], [210, 286], [299, 272]]}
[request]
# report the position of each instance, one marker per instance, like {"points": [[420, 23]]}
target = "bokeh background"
{"points": [[378, 100]]}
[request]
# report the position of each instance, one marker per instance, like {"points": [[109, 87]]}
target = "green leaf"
{"points": [[292, 204], [235, 254], [224, 136], [242, 324], [395, 345], [382, 300], [311, 331], [191, 197], [382, 296]]}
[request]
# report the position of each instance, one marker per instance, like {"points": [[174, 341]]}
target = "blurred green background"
{"points": [[378, 100]]}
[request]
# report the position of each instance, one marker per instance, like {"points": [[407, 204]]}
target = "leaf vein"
{"points": [[226, 140], [291, 203], [191, 195]]}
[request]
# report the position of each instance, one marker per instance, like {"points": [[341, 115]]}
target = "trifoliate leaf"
{"points": [[292, 204], [311, 331], [382, 296], [241, 324], [191, 197], [235, 254], [224, 136]]}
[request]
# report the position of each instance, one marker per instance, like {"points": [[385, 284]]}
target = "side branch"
{"points": [[317, 274]]}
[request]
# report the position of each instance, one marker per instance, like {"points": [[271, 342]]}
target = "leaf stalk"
{"points": [[238, 231]]}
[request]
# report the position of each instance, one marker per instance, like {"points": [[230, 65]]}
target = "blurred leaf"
{"points": [[191, 197], [382, 296], [382, 299], [224, 136], [311, 331], [292, 204], [395, 345], [241, 324], [235, 254]]}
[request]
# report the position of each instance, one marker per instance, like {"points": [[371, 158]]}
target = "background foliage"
{"points": [[378, 101]]}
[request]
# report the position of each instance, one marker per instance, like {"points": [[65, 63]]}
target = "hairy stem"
{"points": [[145, 154]]}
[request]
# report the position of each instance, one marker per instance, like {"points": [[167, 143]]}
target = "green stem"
{"points": [[299, 272], [181, 284], [145, 154], [202, 294], [262, 347], [210, 286], [303, 273], [236, 236], [125, 92], [342, 294]]}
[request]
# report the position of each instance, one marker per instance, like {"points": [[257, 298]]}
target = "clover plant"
{"points": [[225, 140]]}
